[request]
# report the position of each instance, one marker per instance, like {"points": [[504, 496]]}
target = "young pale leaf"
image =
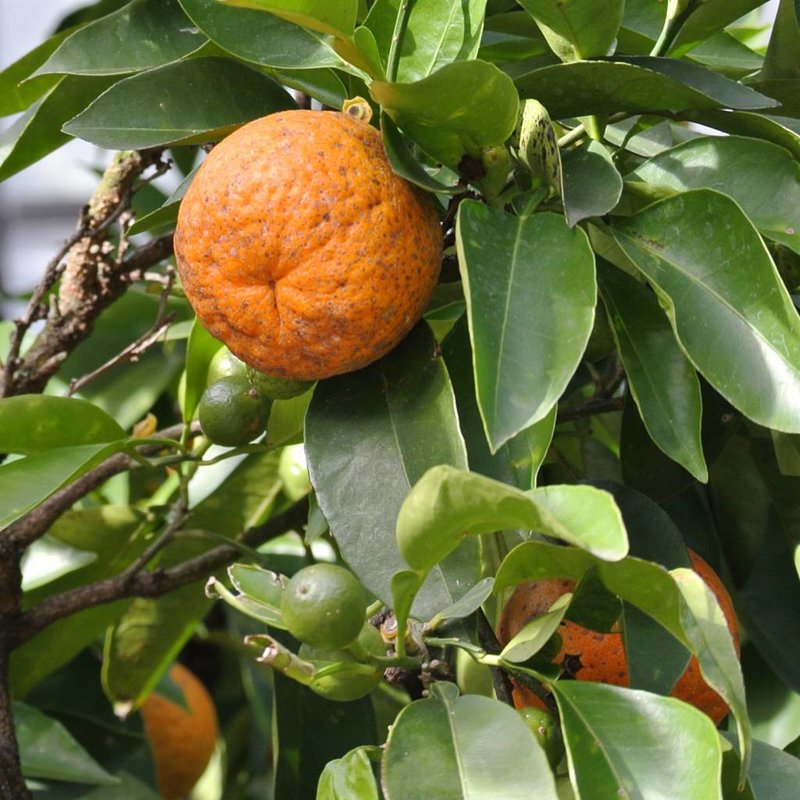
{"points": [[338, 19], [661, 379], [141, 35], [449, 125], [530, 640], [577, 29], [28, 481], [725, 299], [38, 131], [200, 100], [31, 423], [435, 34], [469, 603], [447, 504], [635, 84], [706, 628], [592, 185], [48, 750], [469, 747], [348, 778], [625, 743], [369, 436], [531, 294], [761, 177], [262, 38], [268, 614]]}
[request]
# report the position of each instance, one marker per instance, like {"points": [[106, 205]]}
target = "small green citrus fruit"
{"points": [[545, 728], [324, 605], [231, 412], [225, 365], [277, 388]]}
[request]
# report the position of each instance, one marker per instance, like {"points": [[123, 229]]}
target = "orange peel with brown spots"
{"points": [[301, 250], [592, 656]]}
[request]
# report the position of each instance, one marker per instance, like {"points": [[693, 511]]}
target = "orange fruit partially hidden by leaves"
{"points": [[182, 737], [301, 250], [588, 655]]}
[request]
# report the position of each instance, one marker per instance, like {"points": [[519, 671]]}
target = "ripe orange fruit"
{"points": [[301, 250], [592, 656], [182, 738]]}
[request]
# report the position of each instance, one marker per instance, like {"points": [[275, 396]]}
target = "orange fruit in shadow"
{"points": [[587, 655], [301, 250], [182, 738]]}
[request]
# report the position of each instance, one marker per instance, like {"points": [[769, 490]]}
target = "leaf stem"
{"points": [[400, 24]]}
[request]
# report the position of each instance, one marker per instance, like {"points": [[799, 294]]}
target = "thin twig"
{"points": [[156, 582], [594, 405]]}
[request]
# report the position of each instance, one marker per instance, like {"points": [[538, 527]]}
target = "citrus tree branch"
{"points": [[155, 582]]}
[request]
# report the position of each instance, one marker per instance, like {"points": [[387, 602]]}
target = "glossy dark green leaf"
{"points": [[783, 131], [518, 461], [708, 18], [725, 300], [48, 750], [783, 52], [406, 165], [200, 100], [465, 748], [17, 93], [318, 15], [348, 778], [141, 35], [662, 381], [31, 423], [761, 177], [577, 29], [633, 744], [435, 34], [28, 481], [531, 294], [311, 732], [38, 131], [592, 185], [447, 504], [448, 124], [261, 38], [727, 55], [369, 436], [635, 84]]}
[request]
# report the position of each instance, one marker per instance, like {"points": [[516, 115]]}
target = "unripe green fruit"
{"points": [[231, 412], [324, 605], [293, 472], [545, 728], [277, 388], [225, 365]]}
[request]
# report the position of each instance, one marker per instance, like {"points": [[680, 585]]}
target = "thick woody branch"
{"points": [[92, 276], [155, 582]]}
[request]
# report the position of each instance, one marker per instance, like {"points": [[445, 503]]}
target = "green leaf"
{"points": [[258, 593], [537, 147], [592, 185], [166, 215], [200, 100], [661, 379], [725, 300], [709, 17], [200, 350], [369, 436], [577, 29], [31, 423], [535, 635], [787, 452], [448, 124], [466, 747], [518, 461], [262, 38], [635, 84], [783, 52], [16, 93], [435, 34], [318, 15], [531, 294], [761, 177], [469, 603], [632, 744], [706, 628], [28, 481], [38, 131], [773, 774], [447, 504], [348, 778], [141, 35], [48, 750]]}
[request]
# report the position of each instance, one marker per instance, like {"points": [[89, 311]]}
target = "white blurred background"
{"points": [[39, 206]]}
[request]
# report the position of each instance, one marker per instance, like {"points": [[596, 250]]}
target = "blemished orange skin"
{"points": [[301, 250], [182, 739], [602, 655]]}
